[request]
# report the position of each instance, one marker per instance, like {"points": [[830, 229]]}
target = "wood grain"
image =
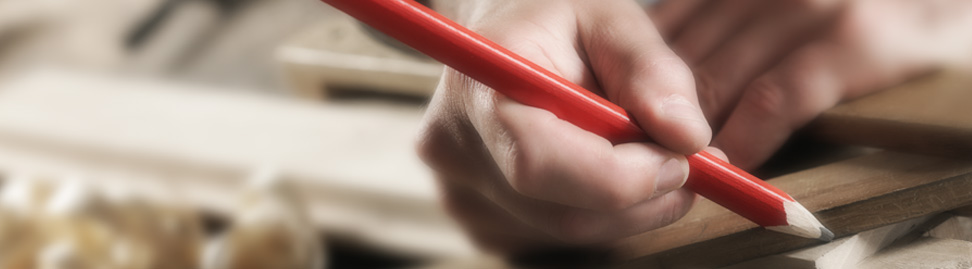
{"points": [[848, 197], [929, 115]]}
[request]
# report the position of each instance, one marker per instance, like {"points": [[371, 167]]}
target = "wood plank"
{"points": [[928, 115], [924, 253], [798, 259], [848, 197]]}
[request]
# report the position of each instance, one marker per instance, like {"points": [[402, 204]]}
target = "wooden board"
{"points": [[930, 115], [848, 197]]}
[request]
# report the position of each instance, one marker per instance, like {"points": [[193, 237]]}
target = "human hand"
{"points": [[766, 68], [517, 177]]}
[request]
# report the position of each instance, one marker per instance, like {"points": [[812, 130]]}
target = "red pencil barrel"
{"points": [[493, 65], [736, 190]]}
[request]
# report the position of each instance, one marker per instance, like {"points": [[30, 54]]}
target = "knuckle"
{"points": [[669, 69], [766, 98], [857, 25], [651, 72], [522, 173]]}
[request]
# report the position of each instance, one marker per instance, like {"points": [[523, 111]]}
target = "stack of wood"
{"points": [[66, 223]]}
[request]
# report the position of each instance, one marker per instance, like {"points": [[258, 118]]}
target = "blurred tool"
{"points": [[178, 31], [167, 9]]}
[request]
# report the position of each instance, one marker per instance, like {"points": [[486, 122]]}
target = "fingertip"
{"points": [[717, 152], [671, 175], [680, 202], [678, 108], [748, 149], [684, 128]]}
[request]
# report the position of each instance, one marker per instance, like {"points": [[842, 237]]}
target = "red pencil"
{"points": [[523, 81]]}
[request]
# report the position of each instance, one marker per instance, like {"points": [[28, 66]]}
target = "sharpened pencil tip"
{"points": [[826, 235]]}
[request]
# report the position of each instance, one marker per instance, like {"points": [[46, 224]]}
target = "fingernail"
{"points": [[677, 107], [671, 176]]}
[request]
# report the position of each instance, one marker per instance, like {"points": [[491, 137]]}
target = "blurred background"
{"points": [[211, 134]]}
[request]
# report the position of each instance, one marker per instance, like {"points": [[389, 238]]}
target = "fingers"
{"points": [[585, 226], [862, 54], [549, 159], [787, 97], [718, 153], [551, 175], [492, 227], [572, 184], [711, 26], [515, 220], [638, 71], [760, 45]]}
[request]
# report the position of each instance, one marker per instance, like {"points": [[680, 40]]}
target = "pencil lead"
{"points": [[801, 222], [826, 235]]}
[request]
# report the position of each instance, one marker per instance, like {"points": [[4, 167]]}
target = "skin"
{"points": [[765, 68], [519, 179]]}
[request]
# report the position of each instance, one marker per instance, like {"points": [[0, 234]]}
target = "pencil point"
{"points": [[826, 235], [801, 222]]}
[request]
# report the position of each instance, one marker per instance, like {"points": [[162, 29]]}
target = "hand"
{"points": [[519, 178], [766, 68]]}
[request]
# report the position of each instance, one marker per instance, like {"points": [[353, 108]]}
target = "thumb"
{"points": [[638, 71]]}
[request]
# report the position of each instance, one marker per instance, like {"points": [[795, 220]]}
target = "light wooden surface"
{"points": [[354, 161], [930, 115], [337, 53], [957, 227], [925, 253], [842, 253], [848, 197]]}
